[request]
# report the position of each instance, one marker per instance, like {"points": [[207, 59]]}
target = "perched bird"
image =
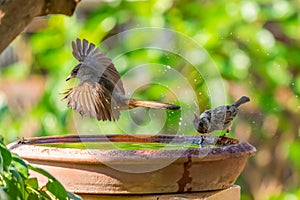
{"points": [[100, 93], [219, 118]]}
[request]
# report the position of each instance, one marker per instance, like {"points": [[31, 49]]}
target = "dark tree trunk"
{"points": [[15, 15]]}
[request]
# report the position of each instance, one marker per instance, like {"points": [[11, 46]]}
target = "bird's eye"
{"points": [[75, 70]]}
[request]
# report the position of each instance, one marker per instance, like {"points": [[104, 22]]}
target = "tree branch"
{"points": [[15, 15]]}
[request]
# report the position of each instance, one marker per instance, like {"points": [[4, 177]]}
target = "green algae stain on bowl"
{"points": [[123, 146], [131, 142]]}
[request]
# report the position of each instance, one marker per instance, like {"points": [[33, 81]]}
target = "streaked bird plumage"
{"points": [[219, 118], [100, 93]]}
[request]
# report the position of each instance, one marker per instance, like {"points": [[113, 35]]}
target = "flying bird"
{"points": [[100, 93], [219, 118]]}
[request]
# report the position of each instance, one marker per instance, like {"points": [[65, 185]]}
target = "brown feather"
{"points": [[94, 97], [84, 46], [91, 99], [83, 51], [132, 103]]}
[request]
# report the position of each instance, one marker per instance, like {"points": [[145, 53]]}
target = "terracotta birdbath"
{"points": [[99, 164]]}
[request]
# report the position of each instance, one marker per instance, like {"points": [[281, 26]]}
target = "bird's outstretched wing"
{"points": [[93, 100], [89, 55]]}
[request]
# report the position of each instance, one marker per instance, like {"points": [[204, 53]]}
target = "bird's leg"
{"points": [[198, 141], [205, 134], [202, 138]]}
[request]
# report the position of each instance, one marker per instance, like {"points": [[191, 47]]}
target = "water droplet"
{"points": [[180, 118], [179, 123], [168, 67], [195, 80]]}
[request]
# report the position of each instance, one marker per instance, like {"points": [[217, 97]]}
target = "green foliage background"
{"points": [[254, 44]]}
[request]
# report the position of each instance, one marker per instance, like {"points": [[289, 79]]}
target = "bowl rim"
{"points": [[31, 149]]}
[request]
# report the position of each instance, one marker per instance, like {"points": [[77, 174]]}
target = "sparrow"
{"points": [[219, 118], [100, 93]]}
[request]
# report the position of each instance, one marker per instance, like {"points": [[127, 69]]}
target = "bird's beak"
{"points": [[69, 77]]}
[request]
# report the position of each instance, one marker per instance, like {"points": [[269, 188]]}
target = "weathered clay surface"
{"points": [[139, 171]]}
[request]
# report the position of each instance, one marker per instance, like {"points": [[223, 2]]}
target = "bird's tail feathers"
{"points": [[132, 103], [241, 101]]}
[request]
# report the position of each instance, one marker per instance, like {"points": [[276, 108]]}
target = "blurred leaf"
{"points": [[32, 182], [6, 157], [53, 185], [20, 166], [15, 184]]}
